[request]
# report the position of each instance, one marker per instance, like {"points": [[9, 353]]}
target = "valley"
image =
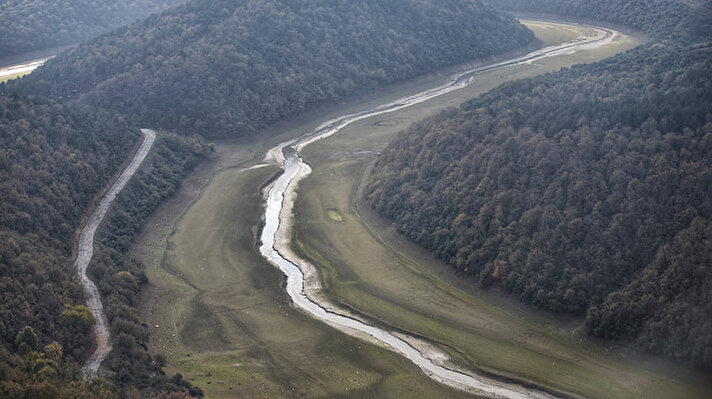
{"points": [[371, 199], [230, 329]]}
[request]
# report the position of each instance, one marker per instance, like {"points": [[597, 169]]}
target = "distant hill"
{"points": [[230, 68], [585, 191], [27, 25]]}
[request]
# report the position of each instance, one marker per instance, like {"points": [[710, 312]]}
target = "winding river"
{"points": [[303, 285], [86, 250]]}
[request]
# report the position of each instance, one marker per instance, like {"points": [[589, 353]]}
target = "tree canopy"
{"points": [[54, 159], [230, 68], [34, 25]]}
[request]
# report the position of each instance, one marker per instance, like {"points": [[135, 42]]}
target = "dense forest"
{"points": [[53, 160], [33, 25], [229, 67], [586, 190], [222, 67], [51, 165]]}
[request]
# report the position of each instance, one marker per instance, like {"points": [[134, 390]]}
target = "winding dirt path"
{"points": [[86, 249], [303, 284]]}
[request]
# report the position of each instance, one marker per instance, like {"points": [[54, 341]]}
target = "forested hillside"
{"points": [[587, 190], [229, 67], [32, 25], [53, 160], [51, 165]]}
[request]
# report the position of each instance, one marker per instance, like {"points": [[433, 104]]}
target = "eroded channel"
{"points": [[303, 285]]}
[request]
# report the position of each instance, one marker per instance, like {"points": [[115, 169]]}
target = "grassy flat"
{"points": [[551, 34], [216, 309]]}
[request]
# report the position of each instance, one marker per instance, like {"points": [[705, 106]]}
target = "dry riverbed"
{"points": [[219, 311]]}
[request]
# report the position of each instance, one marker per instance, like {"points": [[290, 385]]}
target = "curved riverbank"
{"points": [[303, 285], [85, 252], [18, 65]]}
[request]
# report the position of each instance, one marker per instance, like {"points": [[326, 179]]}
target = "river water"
{"points": [[302, 280]]}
